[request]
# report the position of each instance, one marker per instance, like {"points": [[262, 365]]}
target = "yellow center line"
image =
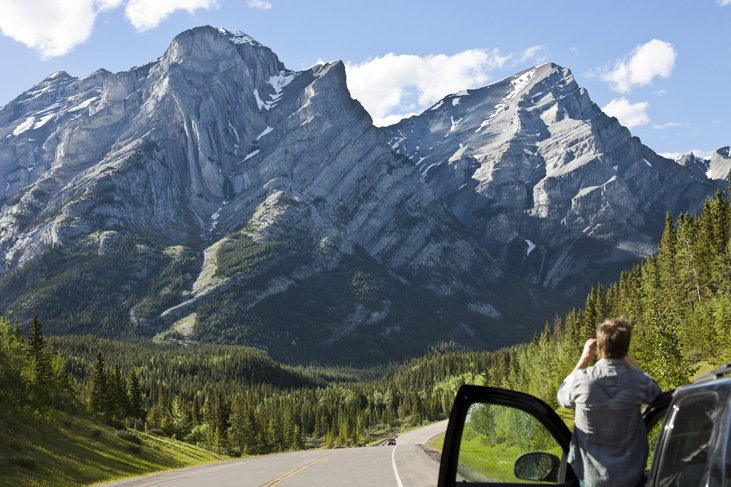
{"points": [[294, 472]]}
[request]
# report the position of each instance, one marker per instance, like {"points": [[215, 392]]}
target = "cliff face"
{"points": [[557, 191], [223, 194]]}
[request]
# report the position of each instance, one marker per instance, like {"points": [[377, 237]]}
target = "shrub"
{"points": [[129, 436], [115, 423], [135, 449], [156, 432], [134, 424], [96, 433], [198, 434], [24, 462]]}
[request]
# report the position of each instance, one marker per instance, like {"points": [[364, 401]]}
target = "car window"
{"points": [[727, 451], [685, 456], [503, 444], [653, 436]]}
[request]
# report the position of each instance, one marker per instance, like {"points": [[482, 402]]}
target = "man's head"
{"points": [[612, 338]]}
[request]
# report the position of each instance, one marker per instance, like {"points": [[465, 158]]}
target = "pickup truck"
{"points": [[502, 437]]}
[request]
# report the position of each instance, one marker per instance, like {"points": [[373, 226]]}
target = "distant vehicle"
{"points": [[504, 437], [390, 441]]}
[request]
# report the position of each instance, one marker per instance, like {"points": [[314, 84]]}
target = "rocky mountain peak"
{"points": [[201, 46], [719, 165], [533, 166], [57, 76], [715, 167]]}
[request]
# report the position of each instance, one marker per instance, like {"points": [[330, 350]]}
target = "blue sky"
{"points": [[663, 67]]}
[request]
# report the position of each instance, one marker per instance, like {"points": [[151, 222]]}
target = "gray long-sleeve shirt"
{"points": [[609, 442]]}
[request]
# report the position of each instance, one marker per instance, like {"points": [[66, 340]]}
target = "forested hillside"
{"points": [[239, 401], [48, 438]]}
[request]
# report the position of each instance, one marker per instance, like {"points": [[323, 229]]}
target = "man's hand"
{"points": [[587, 354]]}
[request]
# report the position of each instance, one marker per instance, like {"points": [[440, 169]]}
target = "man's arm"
{"points": [[564, 396], [652, 390], [587, 355]]}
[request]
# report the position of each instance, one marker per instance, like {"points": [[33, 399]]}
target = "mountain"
{"points": [[558, 192], [214, 194], [716, 167]]}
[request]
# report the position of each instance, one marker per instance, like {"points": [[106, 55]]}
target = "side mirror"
{"points": [[537, 466]]}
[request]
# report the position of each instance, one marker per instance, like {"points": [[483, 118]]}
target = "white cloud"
{"points": [[645, 62], [262, 4], [629, 114], [702, 153], [50, 27], [147, 14], [723, 3], [668, 125], [533, 52], [384, 83], [392, 119], [108, 4], [55, 27]]}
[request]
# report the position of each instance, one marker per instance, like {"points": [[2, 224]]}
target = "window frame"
{"points": [[469, 395], [669, 423]]}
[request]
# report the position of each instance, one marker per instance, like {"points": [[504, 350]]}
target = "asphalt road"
{"points": [[403, 465]]}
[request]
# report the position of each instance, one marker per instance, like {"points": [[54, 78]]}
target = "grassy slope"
{"points": [[69, 449]]}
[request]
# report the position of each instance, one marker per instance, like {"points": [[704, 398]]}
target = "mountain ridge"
{"points": [[534, 167], [221, 193], [213, 194]]}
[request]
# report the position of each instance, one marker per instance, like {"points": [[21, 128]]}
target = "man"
{"points": [[609, 443]]}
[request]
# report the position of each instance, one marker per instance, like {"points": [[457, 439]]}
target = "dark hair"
{"points": [[613, 336]]}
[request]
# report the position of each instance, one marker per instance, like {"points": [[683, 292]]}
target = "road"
{"points": [[403, 465]]}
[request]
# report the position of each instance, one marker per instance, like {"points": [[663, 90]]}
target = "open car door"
{"points": [[502, 437]]}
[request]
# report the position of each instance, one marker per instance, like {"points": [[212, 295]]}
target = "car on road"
{"points": [[390, 441], [502, 437]]}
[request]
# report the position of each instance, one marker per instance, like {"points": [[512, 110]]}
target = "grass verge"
{"points": [[60, 448]]}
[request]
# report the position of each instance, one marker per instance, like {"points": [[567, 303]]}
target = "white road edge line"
{"points": [[395, 470]]}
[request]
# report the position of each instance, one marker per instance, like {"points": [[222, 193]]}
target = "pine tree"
{"points": [[179, 421], [116, 394], [237, 434], [135, 403], [99, 392], [37, 354], [589, 318], [601, 305], [274, 435]]}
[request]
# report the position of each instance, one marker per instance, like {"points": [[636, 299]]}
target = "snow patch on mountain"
{"points": [[437, 105], [251, 154], [264, 132], [238, 37], [454, 125], [83, 104], [24, 126], [485, 309]]}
